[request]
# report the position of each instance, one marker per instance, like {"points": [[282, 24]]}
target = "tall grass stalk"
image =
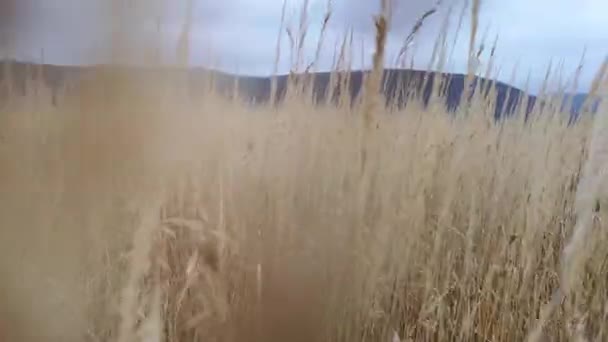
{"points": [[134, 211]]}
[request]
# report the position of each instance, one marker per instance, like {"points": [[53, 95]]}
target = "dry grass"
{"points": [[133, 212]]}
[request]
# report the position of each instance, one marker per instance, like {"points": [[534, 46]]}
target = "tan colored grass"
{"points": [[134, 212]]}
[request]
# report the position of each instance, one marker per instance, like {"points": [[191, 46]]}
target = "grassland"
{"points": [[134, 212]]}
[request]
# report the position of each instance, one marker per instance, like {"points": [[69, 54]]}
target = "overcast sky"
{"points": [[241, 35]]}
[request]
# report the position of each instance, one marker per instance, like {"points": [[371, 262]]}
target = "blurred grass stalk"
{"points": [[132, 211]]}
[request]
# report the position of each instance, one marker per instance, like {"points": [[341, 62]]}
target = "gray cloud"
{"points": [[243, 33], [8, 13], [404, 13], [9, 20]]}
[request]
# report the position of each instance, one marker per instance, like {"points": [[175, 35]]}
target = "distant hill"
{"points": [[577, 101], [400, 86]]}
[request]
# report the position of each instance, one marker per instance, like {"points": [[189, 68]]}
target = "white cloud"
{"points": [[243, 33]]}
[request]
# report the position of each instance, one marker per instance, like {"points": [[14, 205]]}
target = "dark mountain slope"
{"points": [[399, 86]]}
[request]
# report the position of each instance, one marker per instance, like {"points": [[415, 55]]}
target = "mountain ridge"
{"points": [[400, 86]]}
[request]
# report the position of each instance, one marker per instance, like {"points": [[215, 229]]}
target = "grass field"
{"points": [[132, 212]]}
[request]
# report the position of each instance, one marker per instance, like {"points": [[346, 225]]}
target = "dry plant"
{"points": [[133, 211], [409, 39]]}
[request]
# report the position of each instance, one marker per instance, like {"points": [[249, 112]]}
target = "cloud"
{"points": [[8, 13], [242, 34], [359, 15], [67, 30], [9, 20]]}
